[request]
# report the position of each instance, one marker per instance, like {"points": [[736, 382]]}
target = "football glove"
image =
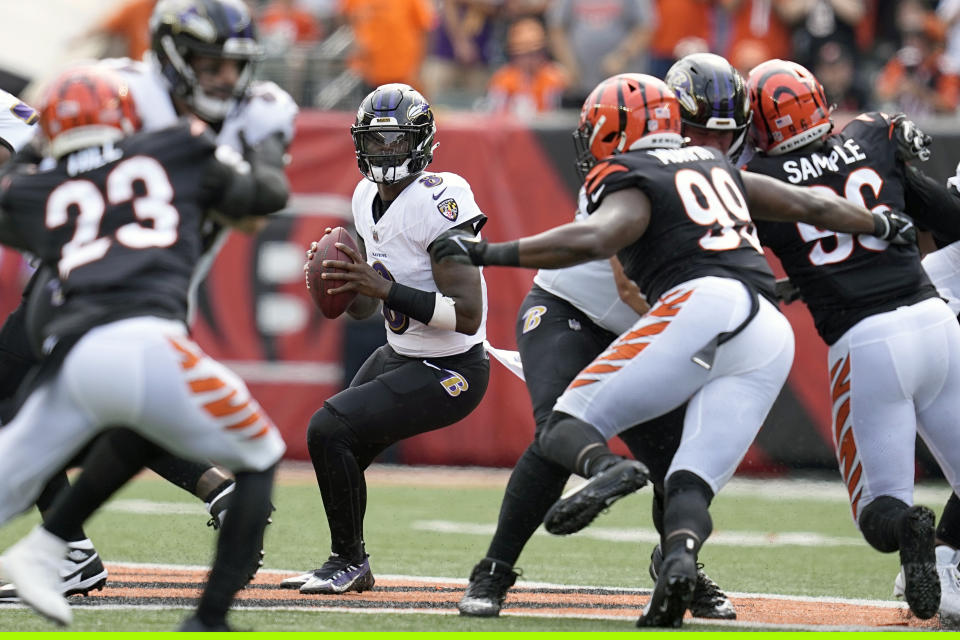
{"points": [[912, 143], [895, 227], [786, 290], [459, 246]]}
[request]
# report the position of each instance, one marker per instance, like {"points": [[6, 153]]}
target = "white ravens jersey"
{"points": [[266, 109], [397, 248], [17, 122], [589, 287]]}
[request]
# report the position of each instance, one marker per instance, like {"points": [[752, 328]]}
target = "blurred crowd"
{"points": [[534, 56]]}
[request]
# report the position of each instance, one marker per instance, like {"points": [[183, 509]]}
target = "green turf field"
{"points": [[769, 537]]}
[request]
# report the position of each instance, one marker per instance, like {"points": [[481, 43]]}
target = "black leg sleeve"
{"points": [[114, 459], [575, 445], [535, 484], [239, 545], [948, 531], [48, 496], [879, 523], [686, 512], [343, 488]]}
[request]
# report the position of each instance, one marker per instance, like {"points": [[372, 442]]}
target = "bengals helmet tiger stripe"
{"points": [[625, 112], [790, 108], [84, 107]]}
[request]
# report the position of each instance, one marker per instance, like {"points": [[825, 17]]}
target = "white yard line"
{"points": [[612, 534], [626, 615]]}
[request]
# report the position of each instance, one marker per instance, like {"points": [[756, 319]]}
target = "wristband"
{"points": [[431, 308], [881, 225], [505, 254]]}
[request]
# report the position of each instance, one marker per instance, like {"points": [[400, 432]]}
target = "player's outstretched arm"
{"points": [[243, 187], [620, 220], [771, 199]]}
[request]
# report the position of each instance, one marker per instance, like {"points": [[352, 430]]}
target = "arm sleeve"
{"points": [[239, 188], [933, 206]]}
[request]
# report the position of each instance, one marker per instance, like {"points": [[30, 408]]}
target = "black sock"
{"points": [[115, 458], [340, 478], [656, 509], [879, 523], [575, 445], [239, 545], [183, 473], [948, 530], [686, 514], [55, 486], [535, 484]]}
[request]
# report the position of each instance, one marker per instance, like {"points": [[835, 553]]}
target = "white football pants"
{"points": [[146, 374], [649, 370], [891, 375]]}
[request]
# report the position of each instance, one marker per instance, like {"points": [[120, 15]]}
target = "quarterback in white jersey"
{"points": [[397, 248], [433, 371]]}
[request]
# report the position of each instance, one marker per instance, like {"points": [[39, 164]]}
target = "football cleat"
{"points": [[709, 600], [193, 624], [33, 564], [947, 560], [673, 592], [82, 571], [579, 507], [297, 581], [918, 561], [339, 575], [489, 582]]}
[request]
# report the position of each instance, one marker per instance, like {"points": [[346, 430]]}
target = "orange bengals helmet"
{"points": [[789, 107], [625, 112], [84, 107]]}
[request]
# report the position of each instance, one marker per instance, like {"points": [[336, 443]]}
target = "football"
{"points": [[330, 306]]}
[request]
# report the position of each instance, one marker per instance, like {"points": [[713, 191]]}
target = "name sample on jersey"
{"points": [[814, 166]]}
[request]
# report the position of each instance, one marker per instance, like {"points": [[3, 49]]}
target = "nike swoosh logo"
{"points": [[436, 196], [595, 196]]}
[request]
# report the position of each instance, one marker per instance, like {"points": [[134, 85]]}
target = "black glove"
{"points": [[459, 246], [912, 143], [786, 290], [895, 227]]}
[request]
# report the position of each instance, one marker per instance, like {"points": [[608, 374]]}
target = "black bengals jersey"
{"points": [[845, 278], [121, 224], [699, 222]]}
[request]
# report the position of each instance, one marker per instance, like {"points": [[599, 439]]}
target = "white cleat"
{"points": [[947, 560], [297, 581], [33, 565]]}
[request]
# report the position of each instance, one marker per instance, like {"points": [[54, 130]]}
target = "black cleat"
{"points": [[919, 561], [489, 582], [579, 507], [709, 600], [193, 624], [673, 593]]}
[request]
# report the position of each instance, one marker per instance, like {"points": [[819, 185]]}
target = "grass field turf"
{"points": [[438, 523]]}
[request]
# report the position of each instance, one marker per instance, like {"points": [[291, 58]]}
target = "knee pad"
{"points": [[878, 523]]}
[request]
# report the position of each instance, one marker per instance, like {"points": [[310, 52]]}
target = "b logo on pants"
{"points": [[454, 384], [531, 317]]}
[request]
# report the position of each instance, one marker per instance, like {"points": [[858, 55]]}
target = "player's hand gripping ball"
{"points": [[331, 305]]}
